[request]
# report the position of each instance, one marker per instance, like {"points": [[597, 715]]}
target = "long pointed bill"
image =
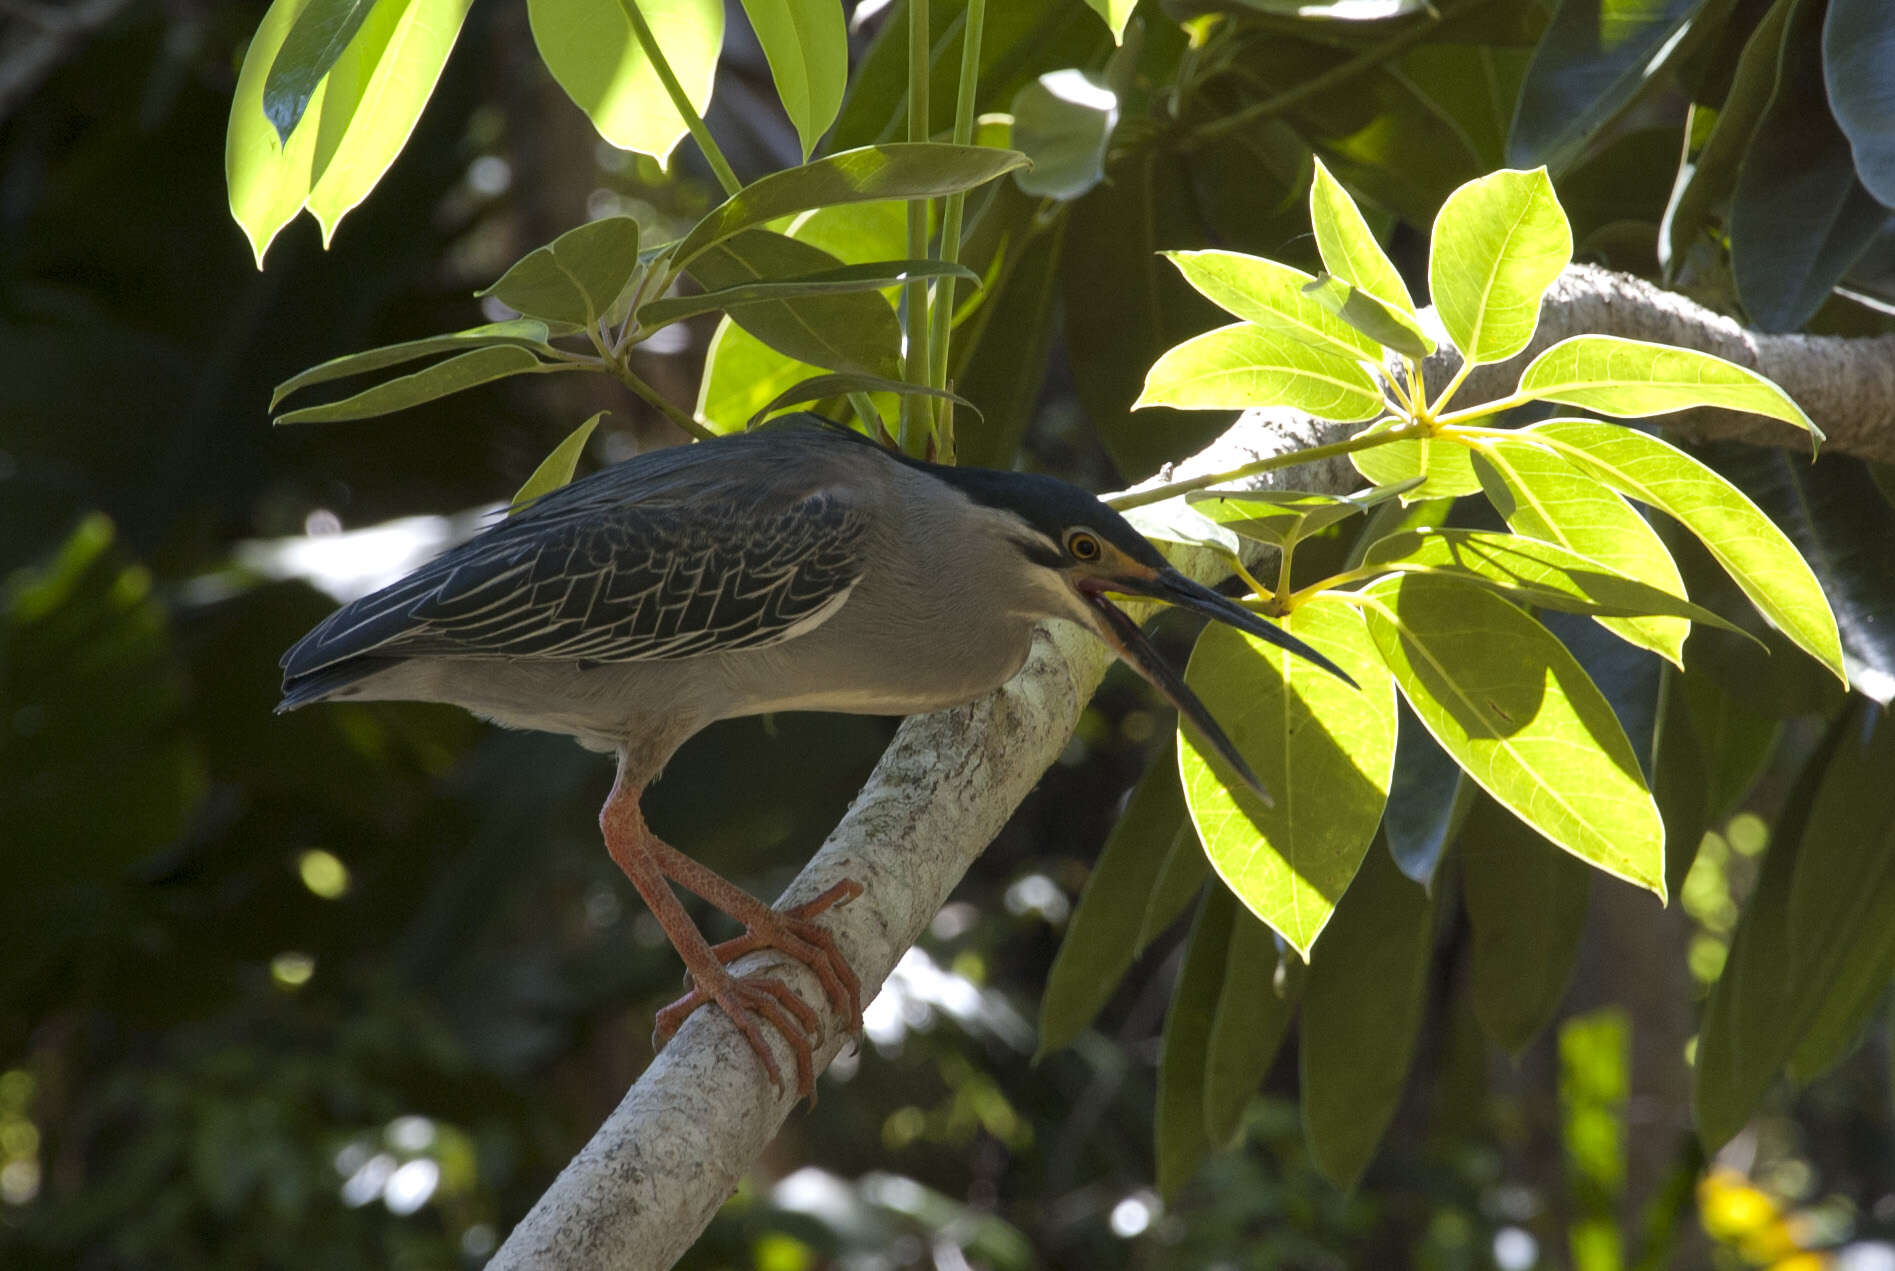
{"points": [[1130, 643]]}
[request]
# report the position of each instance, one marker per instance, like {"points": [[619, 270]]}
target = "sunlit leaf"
{"points": [[1323, 749], [1507, 700], [1382, 325], [1430, 468], [1632, 379], [1348, 248], [268, 179], [1499, 242], [1242, 365], [807, 45], [1756, 554], [589, 47]]}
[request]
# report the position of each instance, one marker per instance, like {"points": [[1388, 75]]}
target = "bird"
{"points": [[797, 566]]}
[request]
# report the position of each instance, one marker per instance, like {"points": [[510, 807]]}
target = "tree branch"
{"points": [[642, 1190]]}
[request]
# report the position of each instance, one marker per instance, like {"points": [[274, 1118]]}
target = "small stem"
{"points": [[648, 43], [1284, 553], [941, 308], [651, 397], [1483, 410], [1447, 394], [1361, 441], [917, 414]]}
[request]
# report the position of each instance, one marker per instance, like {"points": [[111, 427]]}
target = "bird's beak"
{"points": [[1119, 631]]}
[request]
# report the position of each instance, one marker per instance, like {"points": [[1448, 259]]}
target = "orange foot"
{"points": [[792, 932]]}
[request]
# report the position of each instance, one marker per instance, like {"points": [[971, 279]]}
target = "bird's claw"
{"points": [[792, 932]]}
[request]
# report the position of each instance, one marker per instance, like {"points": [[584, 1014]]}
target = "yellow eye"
{"points": [[1083, 546]]}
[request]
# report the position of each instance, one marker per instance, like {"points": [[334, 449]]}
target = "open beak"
{"points": [[1168, 585]]}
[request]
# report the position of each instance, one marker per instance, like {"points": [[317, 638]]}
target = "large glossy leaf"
{"points": [[1242, 365], [373, 98], [1533, 573], [589, 47], [854, 330], [1680, 779], [1526, 901], [1101, 936], [1179, 1123], [1633, 378], [556, 469], [1323, 749], [1756, 554], [1478, 87], [1859, 72], [320, 33], [268, 179], [1799, 216], [1272, 296], [1255, 1005], [455, 374], [525, 332], [577, 278], [822, 387], [1507, 700], [1363, 1004], [1369, 317], [1002, 352], [807, 45], [1542, 496], [916, 170], [1835, 516], [1348, 247], [1499, 242], [1428, 797], [1063, 122], [1596, 58]]}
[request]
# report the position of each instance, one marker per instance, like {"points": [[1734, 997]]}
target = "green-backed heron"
{"points": [[791, 568]]}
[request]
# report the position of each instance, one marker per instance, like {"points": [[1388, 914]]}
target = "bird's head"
{"points": [[1079, 552]]}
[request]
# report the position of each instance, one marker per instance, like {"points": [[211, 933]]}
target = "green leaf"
{"points": [[838, 280], [917, 170], [1101, 936], [821, 387], [524, 332], [1596, 58], [1323, 749], [374, 97], [1741, 538], [268, 178], [1272, 296], [1255, 1005], [1363, 313], [1432, 468], [577, 278], [1530, 572], [321, 31], [854, 330], [464, 371], [807, 44], [1799, 216], [1632, 379], [1363, 1004], [555, 469], [1526, 902], [1281, 517], [1507, 700], [1499, 242], [589, 47], [1179, 1124], [1181, 876], [1173, 520], [1000, 354], [1349, 249], [1542, 496], [1116, 14], [1242, 365], [1859, 72], [1063, 122]]}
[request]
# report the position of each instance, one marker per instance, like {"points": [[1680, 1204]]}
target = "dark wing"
{"points": [[603, 580]]}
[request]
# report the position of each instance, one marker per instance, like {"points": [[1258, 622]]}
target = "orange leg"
{"points": [[652, 864]]}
